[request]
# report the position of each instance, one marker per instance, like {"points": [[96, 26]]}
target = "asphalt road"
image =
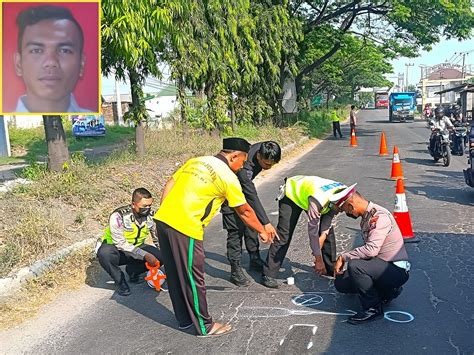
{"points": [[308, 317]]}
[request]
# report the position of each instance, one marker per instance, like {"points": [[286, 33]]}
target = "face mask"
{"points": [[351, 215], [144, 211]]}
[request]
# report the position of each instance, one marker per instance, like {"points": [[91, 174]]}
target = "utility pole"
{"points": [[118, 102], [406, 74]]}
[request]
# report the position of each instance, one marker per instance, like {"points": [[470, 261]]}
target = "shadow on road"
{"points": [[417, 161]]}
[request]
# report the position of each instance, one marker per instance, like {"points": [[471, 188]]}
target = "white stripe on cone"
{"points": [[396, 158], [400, 203]]}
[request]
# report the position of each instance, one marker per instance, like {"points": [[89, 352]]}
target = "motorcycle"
{"points": [[458, 138], [440, 147], [469, 172]]}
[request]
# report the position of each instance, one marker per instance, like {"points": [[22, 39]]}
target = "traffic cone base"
{"points": [[353, 138], [383, 145], [402, 216], [397, 172]]}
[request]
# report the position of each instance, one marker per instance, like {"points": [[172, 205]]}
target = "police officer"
{"points": [[261, 156], [310, 194], [376, 270], [336, 124], [123, 242], [191, 197]]}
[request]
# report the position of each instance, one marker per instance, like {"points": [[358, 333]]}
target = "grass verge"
{"points": [[70, 273]]}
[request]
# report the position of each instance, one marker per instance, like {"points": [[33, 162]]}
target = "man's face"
{"points": [[236, 161], [50, 59], [265, 163], [349, 210], [142, 207]]}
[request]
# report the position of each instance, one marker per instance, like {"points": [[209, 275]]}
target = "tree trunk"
{"points": [[58, 153], [140, 138], [182, 105], [140, 129], [232, 112]]}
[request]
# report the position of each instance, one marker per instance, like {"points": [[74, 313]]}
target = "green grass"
{"points": [[29, 144], [11, 160]]}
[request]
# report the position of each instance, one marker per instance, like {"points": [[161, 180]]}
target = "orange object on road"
{"points": [[383, 145], [402, 216], [353, 138], [397, 172], [155, 276]]}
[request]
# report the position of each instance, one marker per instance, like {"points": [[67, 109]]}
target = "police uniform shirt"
{"points": [[381, 235], [245, 175], [201, 186]]}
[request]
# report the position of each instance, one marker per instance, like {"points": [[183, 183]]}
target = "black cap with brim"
{"points": [[234, 143]]}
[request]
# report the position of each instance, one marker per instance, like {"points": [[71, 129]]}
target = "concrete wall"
{"points": [[19, 121]]}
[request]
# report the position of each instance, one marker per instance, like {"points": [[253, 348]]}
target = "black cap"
{"points": [[234, 143]]}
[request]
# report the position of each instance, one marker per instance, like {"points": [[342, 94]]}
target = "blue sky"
{"points": [[444, 50]]}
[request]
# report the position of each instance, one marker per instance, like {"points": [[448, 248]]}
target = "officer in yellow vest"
{"points": [[315, 196], [123, 241], [336, 124]]}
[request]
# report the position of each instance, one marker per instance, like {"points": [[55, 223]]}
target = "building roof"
{"points": [[113, 98], [460, 88], [445, 73]]}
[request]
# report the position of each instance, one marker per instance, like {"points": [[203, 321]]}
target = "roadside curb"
{"points": [[12, 283]]}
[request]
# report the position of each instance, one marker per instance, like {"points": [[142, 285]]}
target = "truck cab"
{"points": [[402, 106]]}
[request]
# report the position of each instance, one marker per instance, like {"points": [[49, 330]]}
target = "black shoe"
{"points": [[237, 276], [134, 277], [255, 262], [394, 294], [123, 289], [269, 282], [367, 315]]}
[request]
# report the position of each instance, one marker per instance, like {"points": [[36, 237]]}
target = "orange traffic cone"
{"points": [[353, 138], [397, 172], [155, 277], [402, 216], [383, 145]]}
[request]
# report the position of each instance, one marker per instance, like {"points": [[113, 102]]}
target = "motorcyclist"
{"points": [[427, 111], [442, 123]]}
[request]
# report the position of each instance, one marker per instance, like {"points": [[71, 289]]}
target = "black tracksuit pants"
{"points": [[110, 258], [236, 231], [373, 279], [288, 216], [184, 260], [336, 127]]}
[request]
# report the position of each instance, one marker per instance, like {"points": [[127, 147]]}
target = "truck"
{"points": [[381, 98], [402, 106]]}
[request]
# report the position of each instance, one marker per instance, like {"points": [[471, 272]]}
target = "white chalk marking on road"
{"points": [[275, 312], [307, 299], [313, 330], [275, 213], [387, 316]]}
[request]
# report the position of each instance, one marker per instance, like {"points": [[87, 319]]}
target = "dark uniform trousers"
{"points": [[373, 279], [184, 260], [236, 231], [110, 258], [288, 216], [336, 127]]}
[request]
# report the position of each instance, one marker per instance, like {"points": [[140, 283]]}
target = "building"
{"points": [[442, 78]]}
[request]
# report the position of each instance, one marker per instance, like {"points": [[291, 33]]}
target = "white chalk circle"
{"points": [[387, 316], [307, 299]]}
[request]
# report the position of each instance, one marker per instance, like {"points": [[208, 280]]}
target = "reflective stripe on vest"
{"points": [[299, 188], [134, 234]]}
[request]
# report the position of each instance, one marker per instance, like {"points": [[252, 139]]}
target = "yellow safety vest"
{"points": [[299, 188], [134, 234]]}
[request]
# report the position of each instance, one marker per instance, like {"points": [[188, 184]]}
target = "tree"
{"points": [[133, 34], [58, 152], [401, 27]]}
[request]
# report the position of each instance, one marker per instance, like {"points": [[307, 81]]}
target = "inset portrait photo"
{"points": [[50, 57]]}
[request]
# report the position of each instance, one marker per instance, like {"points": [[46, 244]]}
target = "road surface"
{"points": [[308, 317]]}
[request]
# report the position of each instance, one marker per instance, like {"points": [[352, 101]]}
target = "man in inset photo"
{"points": [[49, 59]]}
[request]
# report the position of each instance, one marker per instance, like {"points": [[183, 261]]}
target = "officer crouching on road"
{"points": [[376, 270], [123, 241]]}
